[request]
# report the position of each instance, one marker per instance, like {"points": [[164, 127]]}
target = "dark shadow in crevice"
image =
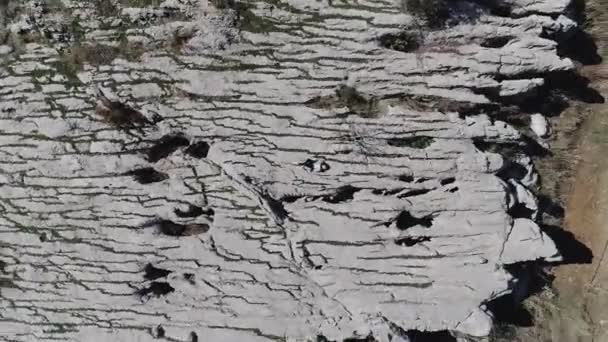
{"points": [[580, 47], [165, 146], [405, 220], [156, 288], [342, 194], [520, 210], [548, 206], [531, 278], [147, 175], [496, 42], [429, 336], [198, 150], [410, 241], [414, 192], [572, 250], [507, 311], [510, 150], [171, 228], [194, 211], [152, 272]]}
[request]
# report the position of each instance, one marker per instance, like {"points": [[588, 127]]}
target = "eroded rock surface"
{"points": [[270, 170]]}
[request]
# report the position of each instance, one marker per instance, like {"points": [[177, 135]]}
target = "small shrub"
{"points": [[433, 12], [106, 8], [403, 41]]}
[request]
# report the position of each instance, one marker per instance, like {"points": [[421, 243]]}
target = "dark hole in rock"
{"points": [[410, 241], [198, 150], [152, 272], [290, 198], [414, 192], [193, 337], [344, 193], [315, 165], [548, 206], [496, 42], [422, 179], [192, 211], [406, 178], [276, 207], [447, 181], [43, 237], [403, 41], [175, 229], [572, 250], [165, 146], [190, 278], [454, 189], [412, 142], [248, 179], [520, 210], [147, 175], [429, 336], [156, 118], [405, 220], [160, 332], [157, 289], [369, 338]]}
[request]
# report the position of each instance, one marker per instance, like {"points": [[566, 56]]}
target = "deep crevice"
{"points": [[342, 194], [194, 211], [414, 192], [403, 41], [156, 288], [152, 272], [171, 228], [572, 250], [166, 146], [410, 241], [147, 175], [198, 150], [405, 220], [418, 142]]}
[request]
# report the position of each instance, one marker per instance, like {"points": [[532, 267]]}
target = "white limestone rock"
{"points": [[539, 125], [525, 241], [305, 179]]}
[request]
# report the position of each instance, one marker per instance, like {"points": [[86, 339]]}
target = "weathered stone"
{"points": [[308, 179]]}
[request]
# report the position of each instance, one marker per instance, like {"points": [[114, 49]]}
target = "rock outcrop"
{"points": [[270, 170]]}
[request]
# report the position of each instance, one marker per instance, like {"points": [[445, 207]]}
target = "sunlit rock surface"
{"points": [[275, 170]]}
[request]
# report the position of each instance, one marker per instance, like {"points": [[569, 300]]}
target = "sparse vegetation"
{"points": [[418, 142], [433, 12], [347, 96], [106, 8], [141, 3], [403, 41], [100, 54]]}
